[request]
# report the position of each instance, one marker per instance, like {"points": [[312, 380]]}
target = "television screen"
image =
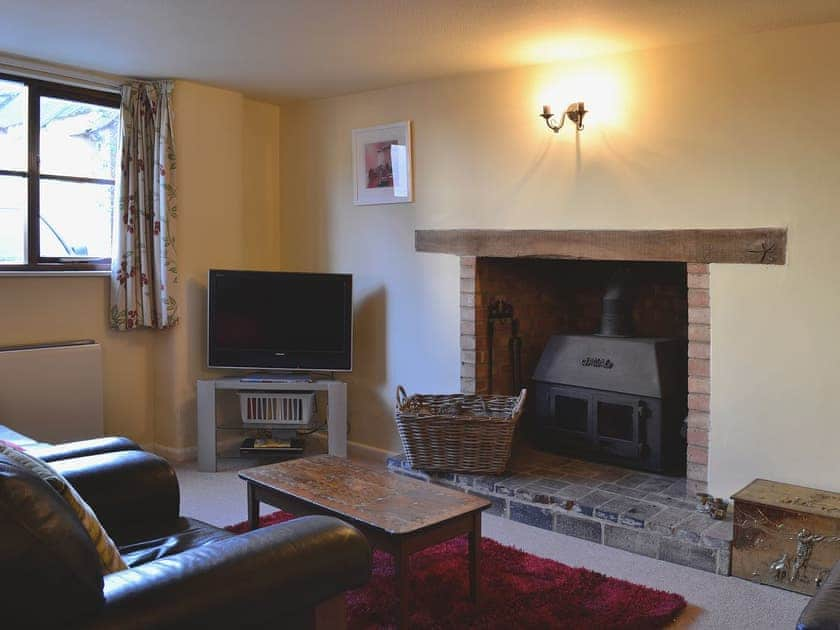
{"points": [[279, 320]]}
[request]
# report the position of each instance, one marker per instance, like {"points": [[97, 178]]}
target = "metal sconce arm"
{"points": [[575, 112]]}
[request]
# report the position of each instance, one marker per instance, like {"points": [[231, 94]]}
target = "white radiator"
{"points": [[52, 393]]}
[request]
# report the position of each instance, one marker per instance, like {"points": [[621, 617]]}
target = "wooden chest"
{"points": [[786, 536]]}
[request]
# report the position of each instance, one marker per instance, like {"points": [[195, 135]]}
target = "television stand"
{"points": [[207, 427], [266, 377]]}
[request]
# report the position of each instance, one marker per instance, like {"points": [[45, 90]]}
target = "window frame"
{"points": [[37, 88]]}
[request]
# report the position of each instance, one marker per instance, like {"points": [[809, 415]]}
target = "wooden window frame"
{"points": [[36, 89]]}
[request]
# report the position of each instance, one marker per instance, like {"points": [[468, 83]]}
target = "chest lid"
{"points": [[787, 496]]}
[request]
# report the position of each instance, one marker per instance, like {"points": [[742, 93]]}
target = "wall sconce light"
{"points": [[574, 112]]}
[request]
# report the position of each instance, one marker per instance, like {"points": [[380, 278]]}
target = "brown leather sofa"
{"points": [[823, 611], [182, 573]]}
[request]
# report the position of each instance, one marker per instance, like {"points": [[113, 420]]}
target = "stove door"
{"points": [[620, 425], [566, 417]]}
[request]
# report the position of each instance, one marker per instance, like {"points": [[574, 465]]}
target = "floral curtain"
{"points": [[143, 267]]}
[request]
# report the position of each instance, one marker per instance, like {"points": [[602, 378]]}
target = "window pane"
{"points": [[13, 151], [12, 220], [76, 219], [78, 139]]}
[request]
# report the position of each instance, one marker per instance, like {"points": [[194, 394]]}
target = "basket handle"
{"points": [[402, 397], [520, 402]]}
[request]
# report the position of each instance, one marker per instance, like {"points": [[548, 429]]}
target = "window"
{"points": [[58, 160]]}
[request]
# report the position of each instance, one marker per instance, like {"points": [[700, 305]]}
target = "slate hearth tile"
{"points": [[541, 491], [667, 520], [571, 492], [486, 483], [623, 491], [578, 527], [655, 485], [586, 504], [667, 501], [679, 490], [550, 482], [724, 562], [633, 480], [691, 528], [638, 515], [499, 507], [510, 485], [719, 534], [629, 512], [688, 555], [465, 479], [634, 540], [608, 476], [581, 481], [531, 515], [534, 493]]}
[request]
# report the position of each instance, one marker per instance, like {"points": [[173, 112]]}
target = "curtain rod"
{"points": [[35, 69]]}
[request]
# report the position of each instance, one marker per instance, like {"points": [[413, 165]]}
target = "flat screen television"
{"points": [[267, 320]]}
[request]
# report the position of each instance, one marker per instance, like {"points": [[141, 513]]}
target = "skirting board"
{"points": [[356, 450], [173, 454]]}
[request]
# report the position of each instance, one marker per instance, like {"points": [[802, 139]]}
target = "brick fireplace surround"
{"points": [[475, 299], [695, 247]]}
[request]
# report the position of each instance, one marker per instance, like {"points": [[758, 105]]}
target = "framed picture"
{"points": [[382, 164]]}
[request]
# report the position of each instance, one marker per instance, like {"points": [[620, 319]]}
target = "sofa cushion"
{"points": [[51, 571], [9, 435], [152, 543], [108, 553]]}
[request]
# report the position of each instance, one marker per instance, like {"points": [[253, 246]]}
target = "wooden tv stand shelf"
{"points": [[207, 427]]}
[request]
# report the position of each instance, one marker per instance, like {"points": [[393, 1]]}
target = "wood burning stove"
{"points": [[611, 396]]}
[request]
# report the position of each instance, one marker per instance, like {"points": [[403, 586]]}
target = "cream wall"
{"points": [[228, 216], [736, 133], [49, 309]]}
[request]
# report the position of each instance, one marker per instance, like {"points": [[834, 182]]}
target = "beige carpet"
{"points": [[714, 601]]}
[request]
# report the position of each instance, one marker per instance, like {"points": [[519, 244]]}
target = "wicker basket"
{"points": [[458, 432]]}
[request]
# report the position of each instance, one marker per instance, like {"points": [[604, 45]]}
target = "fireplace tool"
{"points": [[501, 311]]}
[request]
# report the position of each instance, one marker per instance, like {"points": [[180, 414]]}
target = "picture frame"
{"points": [[382, 164]]}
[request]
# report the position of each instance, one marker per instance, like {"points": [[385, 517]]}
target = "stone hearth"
{"points": [[652, 515]]}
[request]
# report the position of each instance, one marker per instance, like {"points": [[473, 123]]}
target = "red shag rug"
{"points": [[519, 591]]}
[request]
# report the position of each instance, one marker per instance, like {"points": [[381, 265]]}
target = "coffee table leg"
{"points": [[401, 572], [253, 508], [475, 559]]}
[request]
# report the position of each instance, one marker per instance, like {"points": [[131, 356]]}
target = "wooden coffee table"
{"points": [[397, 514]]}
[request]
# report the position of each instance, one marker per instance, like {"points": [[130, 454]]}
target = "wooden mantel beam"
{"points": [[758, 246]]}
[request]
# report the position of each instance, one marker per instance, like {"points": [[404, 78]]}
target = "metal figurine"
{"points": [[717, 509], [713, 506], [805, 542], [778, 568]]}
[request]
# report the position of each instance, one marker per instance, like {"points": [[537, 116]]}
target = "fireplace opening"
{"points": [[602, 347]]}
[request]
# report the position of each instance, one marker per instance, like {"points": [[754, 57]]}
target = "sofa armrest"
{"points": [[251, 580], [83, 448], [124, 487], [823, 611]]}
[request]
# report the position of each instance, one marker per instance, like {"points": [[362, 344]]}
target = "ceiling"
{"points": [[287, 49]]}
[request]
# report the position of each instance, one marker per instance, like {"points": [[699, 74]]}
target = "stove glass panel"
{"points": [[615, 421], [571, 413]]}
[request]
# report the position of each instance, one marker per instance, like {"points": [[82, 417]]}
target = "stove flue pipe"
{"points": [[617, 306]]}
